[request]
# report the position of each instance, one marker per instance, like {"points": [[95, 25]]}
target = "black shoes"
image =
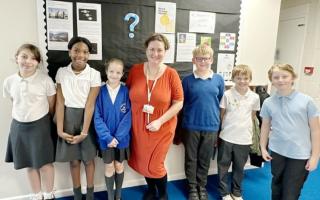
{"points": [[149, 195], [203, 194], [193, 193]]}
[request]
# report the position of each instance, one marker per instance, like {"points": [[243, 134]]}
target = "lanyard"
{"points": [[149, 91]]}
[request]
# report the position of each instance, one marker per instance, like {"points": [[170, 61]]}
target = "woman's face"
{"points": [[79, 54], [155, 52]]}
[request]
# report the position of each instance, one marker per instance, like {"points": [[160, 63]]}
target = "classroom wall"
{"points": [[310, 51], [18, 21], [310, 84]]}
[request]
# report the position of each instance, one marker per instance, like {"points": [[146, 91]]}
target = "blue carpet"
{"points": [[256, 186]]}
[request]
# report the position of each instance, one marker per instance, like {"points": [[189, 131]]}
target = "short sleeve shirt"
{"points": [[29, 95], [76, 88], [237, 122], [290, 115]]}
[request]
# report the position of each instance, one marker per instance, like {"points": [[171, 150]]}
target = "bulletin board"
{"points": [[115, 40]]}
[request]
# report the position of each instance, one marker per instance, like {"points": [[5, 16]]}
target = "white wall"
{"points": [[18, 25], [258, 28], [310, 52], [257, 37]]}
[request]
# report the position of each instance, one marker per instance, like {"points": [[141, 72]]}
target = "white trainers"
{"points": [[37, 196], [227, 197], [236, 198], [48, 195]]}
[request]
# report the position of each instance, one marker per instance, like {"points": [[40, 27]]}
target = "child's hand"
{"points": [[154, 126], [312, 164], [78, 138], [67, 137], [113, 144], [265, 154]]}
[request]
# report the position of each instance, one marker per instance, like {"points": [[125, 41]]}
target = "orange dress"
{"points": [[149, 149]]}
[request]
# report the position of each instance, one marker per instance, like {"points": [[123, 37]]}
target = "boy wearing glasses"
{"points": [[201, 120]]}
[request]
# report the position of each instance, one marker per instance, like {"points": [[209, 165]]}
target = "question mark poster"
{"points": [[165, 21], [117, 36], [89, 26]]}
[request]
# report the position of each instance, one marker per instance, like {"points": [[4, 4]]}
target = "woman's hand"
{"points": [[67, 137], [154, 125]]}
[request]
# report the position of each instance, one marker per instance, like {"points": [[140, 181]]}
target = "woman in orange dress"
{"points": [[156, 97]]}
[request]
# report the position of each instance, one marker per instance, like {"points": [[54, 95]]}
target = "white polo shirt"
{"points": [[113, 92], [237, 123], [29, 95], [76, 88]]}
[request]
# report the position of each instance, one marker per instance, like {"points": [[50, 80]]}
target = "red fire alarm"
{"points": [[308, 70]]}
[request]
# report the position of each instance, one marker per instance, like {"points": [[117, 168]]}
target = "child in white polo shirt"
{"points": [[238, 109], [30, 143], [77, 89]]}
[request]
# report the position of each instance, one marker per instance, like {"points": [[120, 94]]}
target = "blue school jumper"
{"points": [[201, 111], [113, 120]]}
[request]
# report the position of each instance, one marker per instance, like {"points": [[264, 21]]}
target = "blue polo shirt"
{"points": [[290, 115]]}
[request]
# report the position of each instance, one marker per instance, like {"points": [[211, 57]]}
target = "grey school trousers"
{"points": [[288, 177], [198, 153], [237, 155]]}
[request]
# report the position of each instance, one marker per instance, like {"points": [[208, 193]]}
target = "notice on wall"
{"points": [[205, 40], [59, 24], [165, 19], [169, 57], [185, 45], [202, 22], [227, 41], [89, 26], [225, 65]]}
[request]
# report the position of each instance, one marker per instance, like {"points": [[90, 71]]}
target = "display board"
{"points": [[115, 30]]}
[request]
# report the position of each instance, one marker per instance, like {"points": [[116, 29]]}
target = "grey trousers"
{"points": [[198, 153], [288, 177], [237, 155]]}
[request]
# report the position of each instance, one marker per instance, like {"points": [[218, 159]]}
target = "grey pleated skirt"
{"points": [[30, 144], [85, 150]]}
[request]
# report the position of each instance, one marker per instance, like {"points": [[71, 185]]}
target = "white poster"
{"points": [[202, 22], [185, 45], [89, 26], [169, 57], [59, 24], [225, 65], [165, 20], [227, 41]]}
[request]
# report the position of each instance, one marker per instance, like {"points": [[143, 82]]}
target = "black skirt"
{"points": [[85, 150], [30, 144], [111, 154]]}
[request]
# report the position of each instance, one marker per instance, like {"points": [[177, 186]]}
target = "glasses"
{"points": [[202, 59]]}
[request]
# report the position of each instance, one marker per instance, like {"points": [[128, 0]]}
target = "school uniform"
{"points": [[289, 142], [201, 122], [236, 137], [75, 90], [30, 130], [112, 119]]}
